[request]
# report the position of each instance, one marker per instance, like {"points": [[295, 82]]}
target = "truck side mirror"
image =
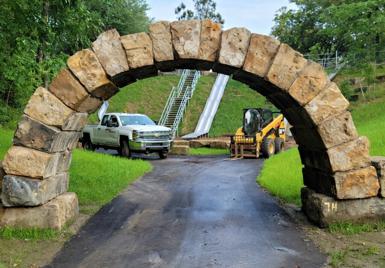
{"points": [[111, 123]]}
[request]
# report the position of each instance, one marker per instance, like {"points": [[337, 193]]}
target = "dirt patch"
{"points": [[36, 253], [350, 251]]}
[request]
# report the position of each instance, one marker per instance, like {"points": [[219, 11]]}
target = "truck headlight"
{"points": [[135, 134]]}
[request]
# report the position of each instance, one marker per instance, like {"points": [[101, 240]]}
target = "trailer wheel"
{"points": [[278, 144], [125, 149], [268, 147], [87, 144]]}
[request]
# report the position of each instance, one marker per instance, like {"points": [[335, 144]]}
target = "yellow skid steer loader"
{"points": [[262, 133]]}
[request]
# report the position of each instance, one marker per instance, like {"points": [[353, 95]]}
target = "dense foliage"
{"points": [[353, 27], [36, 37]]}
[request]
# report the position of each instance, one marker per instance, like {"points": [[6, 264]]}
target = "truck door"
{"points": [[100, 130], [112, 132]]}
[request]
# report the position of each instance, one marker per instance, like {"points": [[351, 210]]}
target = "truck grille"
{"points": [[154, 135]]}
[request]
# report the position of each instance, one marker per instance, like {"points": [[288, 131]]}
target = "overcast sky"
{"points": [[255, 15]]}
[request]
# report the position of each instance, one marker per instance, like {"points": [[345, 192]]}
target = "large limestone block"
{"points": [[311, 80], [27, 192], [180, 150], [186, 38], [379, 163], [138, 48], [285, 67], [337, 130], [308, 138], [350, 155], [234, 46], [110, 52], [260, 54], [75, 122], [161, 39], [68, 89], [86, 67], [89, 105], [21, 161], [327, 103], [2, 174], [64, 162], [210, 40], [33, 134], [54, 214], [353, 184], [48, 109], [324, 210]]}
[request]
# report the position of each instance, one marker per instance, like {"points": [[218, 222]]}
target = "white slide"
{"points": [[211, 108]]}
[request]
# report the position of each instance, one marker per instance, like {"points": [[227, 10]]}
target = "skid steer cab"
{"points": [[262, 134]]}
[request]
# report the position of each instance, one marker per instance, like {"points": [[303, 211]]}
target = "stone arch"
{"points": [[335, 159]]}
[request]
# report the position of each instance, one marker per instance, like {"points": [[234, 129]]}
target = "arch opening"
{"points": [[336, 166]]}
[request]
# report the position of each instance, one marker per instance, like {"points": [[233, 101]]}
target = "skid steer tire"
{"points": [[268, 147], [278, 144]]}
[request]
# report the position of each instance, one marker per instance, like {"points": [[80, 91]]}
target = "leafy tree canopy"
{"points": [[203, 9]]}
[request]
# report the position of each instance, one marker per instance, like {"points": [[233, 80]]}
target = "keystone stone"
{"points": [[353, 184], [234, 46], [27, 192], [21, 161], [75, 122], [86, 67], [48, 109], [161, 39], [186, 38], [379, 163], [260, 55], [324, 210], [54, 214], [68, 89], [338, 130], [285, 67], [36, 135], [311, 80], [210, 40], [326, 104], [110, 52], [138, 48]]}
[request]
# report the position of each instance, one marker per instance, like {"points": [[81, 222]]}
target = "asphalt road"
{"points": [[192, 212]]}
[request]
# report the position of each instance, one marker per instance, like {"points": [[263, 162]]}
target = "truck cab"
{"points": [[128, 133]]}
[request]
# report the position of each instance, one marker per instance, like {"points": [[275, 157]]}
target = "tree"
{"points": [[203, 9]]}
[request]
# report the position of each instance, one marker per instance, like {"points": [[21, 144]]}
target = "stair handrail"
{"points": [[167, 107], [181, 110], [182, 80]]}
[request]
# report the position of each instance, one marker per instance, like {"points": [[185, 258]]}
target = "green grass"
{"points": [[6, 136], [348, 228], [208, 151], [28, 234]]}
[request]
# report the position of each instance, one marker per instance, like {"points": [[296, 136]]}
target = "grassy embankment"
{"points": [[282, 175]]}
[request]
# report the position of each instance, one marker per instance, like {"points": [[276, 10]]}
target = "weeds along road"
{"points": [[192, 212]]}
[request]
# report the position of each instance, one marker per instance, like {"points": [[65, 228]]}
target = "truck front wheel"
{"points": [[163, 154], [87, 144], [125, 149]]}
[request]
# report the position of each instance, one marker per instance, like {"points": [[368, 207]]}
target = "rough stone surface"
{"points": [[180, 150], [64, 161], [54, 214], [2, 174], [27, 192], [68, 89], [21, 161], [181, 142], [35, 135], [138, 48], [161, 39], [354, 184], [48, 109], [75, 122], [324, 210], [327, 103], [350, 155], [86, 67], [311, 80], [260, 54], [338, 130], [89, 105], [110, 52], [210, 40], [234, 45], [199, 143], [379, 163], [186, 38], [285, 67]]}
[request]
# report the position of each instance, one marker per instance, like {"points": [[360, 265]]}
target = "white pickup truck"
{"points": [[128, 133]]}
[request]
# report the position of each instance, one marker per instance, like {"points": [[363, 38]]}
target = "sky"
{"points": [[255, 15]]}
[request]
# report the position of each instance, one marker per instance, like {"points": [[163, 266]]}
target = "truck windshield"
{"points": [[136, 120]]}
